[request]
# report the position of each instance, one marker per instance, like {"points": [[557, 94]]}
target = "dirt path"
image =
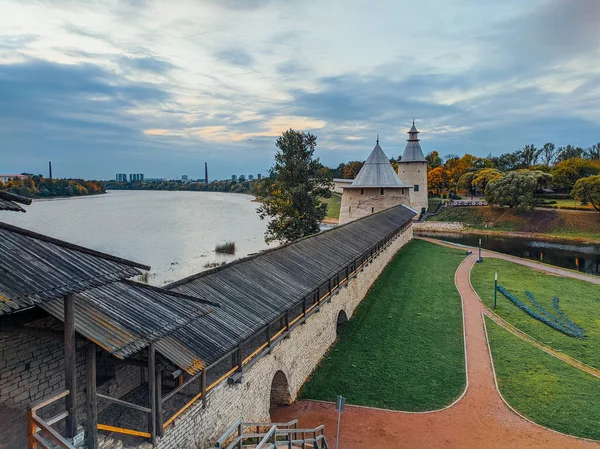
{"points": [[479, 420]]}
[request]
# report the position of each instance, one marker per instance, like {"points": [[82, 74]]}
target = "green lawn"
{"points": [[403, 348], [543, 388], [579, 300], [333, 205]]}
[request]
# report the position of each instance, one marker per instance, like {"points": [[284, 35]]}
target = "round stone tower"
{"points": [[412, 170]]}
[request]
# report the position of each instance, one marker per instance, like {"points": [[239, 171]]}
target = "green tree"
{"points": [[593, 152], [548, 153], [434, 160], [483, 177], [587, 190], [293, 199], [529, 156], [515, 189], [566, 173], [569, 152]]}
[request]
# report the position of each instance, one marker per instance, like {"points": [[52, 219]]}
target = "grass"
{"points": [[569, 203], [543, 388], [553, 222], [333, 206], [579, 300], [225, 248], [403, 348]]}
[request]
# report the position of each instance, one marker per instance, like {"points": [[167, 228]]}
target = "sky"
{"points": [[160, 87]]}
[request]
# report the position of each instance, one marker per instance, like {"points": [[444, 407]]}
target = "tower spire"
{"points": [[377, 139]]}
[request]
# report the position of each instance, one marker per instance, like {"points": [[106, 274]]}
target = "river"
{"points": [[173, 232], [584, 257]]}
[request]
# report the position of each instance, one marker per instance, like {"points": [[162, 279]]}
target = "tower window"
{"points": [[362, 191], [372, 209], [382, 191], [350, 209], [416, 187]]}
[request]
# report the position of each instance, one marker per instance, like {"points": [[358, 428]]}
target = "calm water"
{"points": [[173, 232], [566, 254]]}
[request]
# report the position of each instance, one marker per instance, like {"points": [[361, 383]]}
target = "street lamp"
{"points": [[479, 259], [495, 288]]}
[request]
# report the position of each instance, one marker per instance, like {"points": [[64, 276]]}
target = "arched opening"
{"points": [[280, 390], [342, 319]]}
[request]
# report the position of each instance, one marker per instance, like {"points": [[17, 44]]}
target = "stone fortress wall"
{"points": [[277, 377]]}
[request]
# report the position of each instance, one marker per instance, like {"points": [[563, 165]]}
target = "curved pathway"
{"points": [[479, 420]]}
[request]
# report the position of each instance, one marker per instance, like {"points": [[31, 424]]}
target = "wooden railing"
{"points": [[260, 435], [40, 430], [310, 304]]}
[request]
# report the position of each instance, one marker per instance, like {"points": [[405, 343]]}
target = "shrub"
{"points": [[214, 264], [225, 248]]}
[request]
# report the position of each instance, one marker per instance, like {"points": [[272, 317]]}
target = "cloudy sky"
{"points": [[159, 87]]}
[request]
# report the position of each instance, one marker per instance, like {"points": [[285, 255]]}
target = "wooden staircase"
{"points": [[263, 435]]}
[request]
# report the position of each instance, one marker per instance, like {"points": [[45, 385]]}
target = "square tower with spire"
{"points": [[412, 170]]}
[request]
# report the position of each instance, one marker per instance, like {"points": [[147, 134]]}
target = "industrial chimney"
{"points": [[50, 170], [206, 172]]}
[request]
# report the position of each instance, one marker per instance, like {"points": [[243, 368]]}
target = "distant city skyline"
{"points": [[156, 88]]}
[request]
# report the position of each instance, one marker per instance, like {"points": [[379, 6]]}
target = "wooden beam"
{"points": [[70, 366], [203, 387], [152, 392], [91, 430], [159, 414]]}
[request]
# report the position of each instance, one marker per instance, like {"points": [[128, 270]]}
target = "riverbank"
{"points": [[577, 226]]}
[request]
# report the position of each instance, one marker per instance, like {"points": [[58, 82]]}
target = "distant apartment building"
{"points": [[136, 177], [122, 177], [250, 177], [259, 176], [10, 177], [234, 178], [184, 178], [242, 178]]}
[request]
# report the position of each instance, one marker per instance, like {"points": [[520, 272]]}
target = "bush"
{"points": [[225, 248], [214, 264]]}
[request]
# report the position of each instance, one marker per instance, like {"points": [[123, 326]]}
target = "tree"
{"points": [[528, 156], [569, 152], [593, 152], [483, 177], [587, 190], [433, 160], [464, 182], [515, 189], [566, 173], [293, 199], [548, 153], [437, 179], [351, 169]]}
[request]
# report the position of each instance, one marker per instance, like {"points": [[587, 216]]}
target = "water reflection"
{"points": [[584, 257]]}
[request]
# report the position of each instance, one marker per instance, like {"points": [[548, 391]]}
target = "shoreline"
{"points": [[532, 235]]}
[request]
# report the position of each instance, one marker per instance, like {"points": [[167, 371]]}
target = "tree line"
{"points": [[37, 186], [176, 185], [513, 179]]}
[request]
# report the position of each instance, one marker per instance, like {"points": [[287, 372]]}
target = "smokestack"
{"points": [[50, 170], [206, 172]]}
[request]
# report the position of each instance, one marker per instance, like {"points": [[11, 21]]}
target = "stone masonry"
{"points": [[358, 203]]}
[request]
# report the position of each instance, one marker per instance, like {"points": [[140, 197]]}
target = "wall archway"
{"points": [[342, 319], [280, 390]]}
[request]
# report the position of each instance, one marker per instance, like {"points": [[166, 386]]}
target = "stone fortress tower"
{"points": [[378, 187], [412, 169]]}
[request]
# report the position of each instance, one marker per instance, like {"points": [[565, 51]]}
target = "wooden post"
{"points": [[31, 430], [287, 321], [159, 415], [268, 335], [304, 310], [203, 387], [70, 367], [239, 359], [152, 392], [91, 404]]}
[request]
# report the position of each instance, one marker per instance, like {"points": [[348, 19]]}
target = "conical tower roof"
{"points": [[413, 152], [376, 172]]}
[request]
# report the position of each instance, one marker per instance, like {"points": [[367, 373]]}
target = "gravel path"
{"points": [[480, 419]]}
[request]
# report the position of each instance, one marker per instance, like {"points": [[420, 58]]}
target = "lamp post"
{"points": [[479, 259], [495, 288]]}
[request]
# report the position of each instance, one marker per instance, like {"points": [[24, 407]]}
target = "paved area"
{"points": [[480, 419]]}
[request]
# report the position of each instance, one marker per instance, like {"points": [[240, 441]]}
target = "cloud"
{"points": [[235, 56]]}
